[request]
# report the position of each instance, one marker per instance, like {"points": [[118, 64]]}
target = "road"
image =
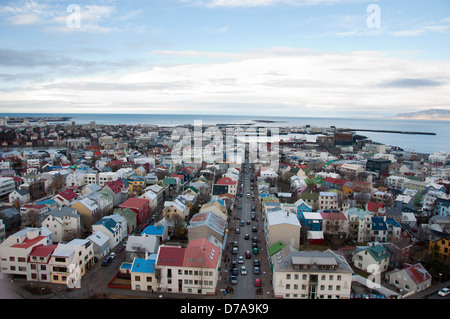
{"points": [[245, 287]]}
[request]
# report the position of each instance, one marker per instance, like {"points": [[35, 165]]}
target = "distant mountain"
{"points": [[431, 114]]}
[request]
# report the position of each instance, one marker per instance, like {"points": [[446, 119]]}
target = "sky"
{"points": [[302, 58]]}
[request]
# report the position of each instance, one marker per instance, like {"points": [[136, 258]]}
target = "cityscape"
{"points": [[255, 212], [224, 157]]}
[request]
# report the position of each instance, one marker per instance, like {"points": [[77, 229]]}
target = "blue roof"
{"points": [[144, 265], [378, 223], [46, 202], [393, 222], [153, 230]]}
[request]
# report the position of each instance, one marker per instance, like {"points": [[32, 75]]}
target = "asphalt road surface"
{"points": [[245, 287]]}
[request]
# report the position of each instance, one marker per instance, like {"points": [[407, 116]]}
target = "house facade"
{"points": [[372, 256], [411, 279], [68, 259], [15, 249], [64, 223], [311, 275]]}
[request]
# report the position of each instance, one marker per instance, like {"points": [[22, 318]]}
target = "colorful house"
{"points": [[140, 206]]}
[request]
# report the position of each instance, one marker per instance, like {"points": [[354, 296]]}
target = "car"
{"points": [[121, 248], [242, 223], [235, 244], [253, 207], [235, 251], [234, 263], [248, 194], [254, 245], [241, 260], [247, 237], [233, 280], [257, 282], [256, 270], [107, 261], [255, 239], [238, 231], [444, 292], [254, 229], [255, 250], [243, 270], [256, 263], [240, 207], [248, 255], [112, 255], [248, 222], [234, 271], [253, 216]]}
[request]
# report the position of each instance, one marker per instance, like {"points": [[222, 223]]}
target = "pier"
{"points": [[386, 131]]}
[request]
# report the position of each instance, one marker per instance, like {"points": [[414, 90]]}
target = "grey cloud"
{"points": [[410, 83]]}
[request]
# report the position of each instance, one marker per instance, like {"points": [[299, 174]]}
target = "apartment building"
{"points": [[15, 250], [192, 269], [74, 257], [311, 275]]}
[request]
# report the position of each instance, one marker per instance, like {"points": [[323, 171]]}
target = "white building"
{"points": [[328, 200], [77, 254], [64, 223], [7, 185], [311, 275], [282, 226], [15, 249]]}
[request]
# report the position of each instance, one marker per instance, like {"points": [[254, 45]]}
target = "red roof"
{"points": [[226, 181], [134, 202], [417, 273], [115, 186], [27, 243], [43, 250], [201, 253], [373, 207], [171, 256], [68, 194], [336, 181], [333, 216]]}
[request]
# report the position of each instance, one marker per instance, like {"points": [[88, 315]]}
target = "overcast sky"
{"points": [[250, 57]]}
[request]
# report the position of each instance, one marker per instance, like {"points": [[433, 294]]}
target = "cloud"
{"points": [[411, 83], [282, 81], [54, 16], [263, 3], [422, 31]]}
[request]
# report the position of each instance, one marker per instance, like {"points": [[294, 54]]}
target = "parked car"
{"points": [[107, 261], [235, 250], [233, 280], [234, 271], [257, 282], [255, 251], [112, 255], [256, 263], [444, 292], [254, 229], [256, 270]]}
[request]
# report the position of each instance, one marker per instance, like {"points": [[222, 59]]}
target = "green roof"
{"points": [[309, 195], [276, 248]]}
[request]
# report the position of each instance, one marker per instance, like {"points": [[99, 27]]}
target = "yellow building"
{"points": [[443, 244]]}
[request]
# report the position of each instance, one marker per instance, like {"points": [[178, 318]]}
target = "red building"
{"points": [[140, 206]]}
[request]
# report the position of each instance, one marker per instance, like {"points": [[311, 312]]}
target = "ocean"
{"points": [[417, 143]]}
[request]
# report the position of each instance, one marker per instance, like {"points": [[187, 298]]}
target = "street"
{"points": [[247, 238]]}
